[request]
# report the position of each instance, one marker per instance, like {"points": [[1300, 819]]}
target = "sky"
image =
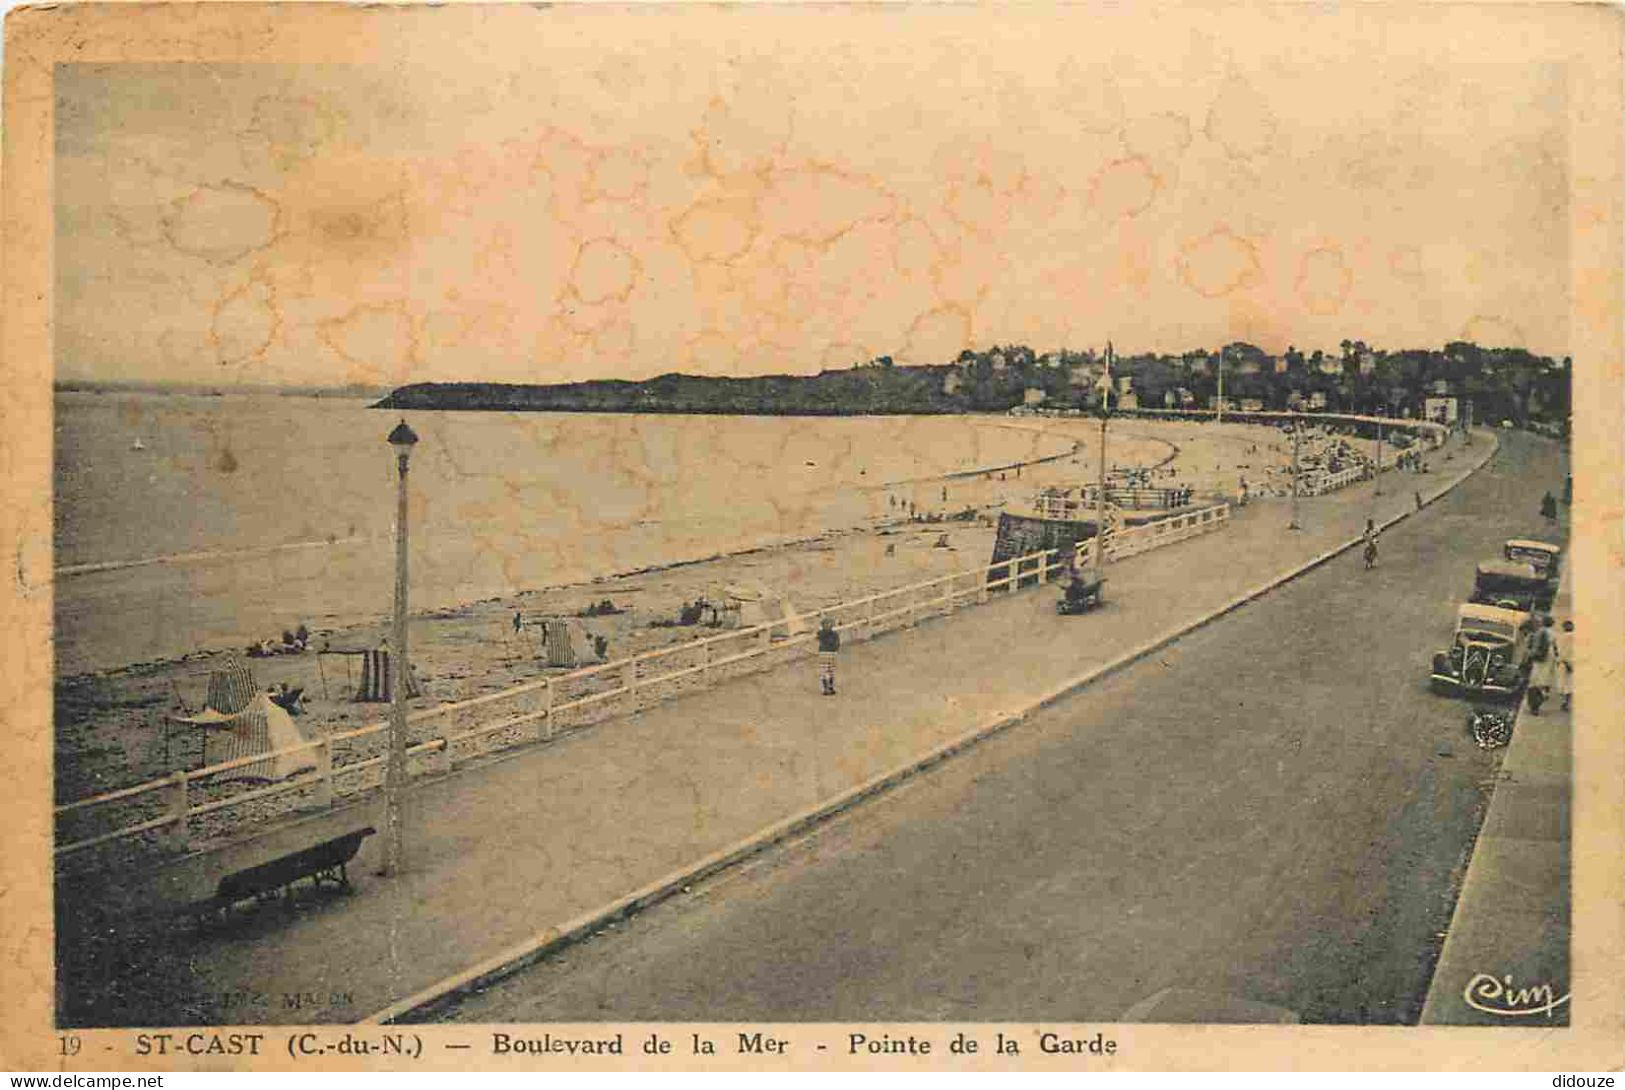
{"points": [[549, 195]]}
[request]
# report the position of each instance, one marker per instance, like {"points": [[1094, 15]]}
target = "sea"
{"points": [[187, 523]]}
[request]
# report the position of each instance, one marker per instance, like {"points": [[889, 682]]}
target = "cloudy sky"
{"points": [[532, 194]]}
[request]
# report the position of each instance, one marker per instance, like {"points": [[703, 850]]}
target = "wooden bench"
{"points": [[321, 863]]}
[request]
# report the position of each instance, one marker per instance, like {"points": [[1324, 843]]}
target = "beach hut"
{"points": [[259, 727]]}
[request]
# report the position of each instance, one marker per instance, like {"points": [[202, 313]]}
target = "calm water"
{"points": [[185, 523]]}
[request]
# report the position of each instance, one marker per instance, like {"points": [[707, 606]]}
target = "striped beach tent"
{"points": [[260, 727], [378, 678], [557, 646], [231, 688]]}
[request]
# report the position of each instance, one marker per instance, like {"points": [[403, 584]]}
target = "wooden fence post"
{"points": [[324, 774], [180, 832]]}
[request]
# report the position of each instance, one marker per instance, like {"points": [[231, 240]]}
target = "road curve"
{"points": [[1275, 810]]}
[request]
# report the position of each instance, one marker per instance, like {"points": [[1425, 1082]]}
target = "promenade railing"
{"points": [[1079, 502], [169, 813]]}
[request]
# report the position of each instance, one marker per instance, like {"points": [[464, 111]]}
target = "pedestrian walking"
{"points": [[1548, 506], [1418, 500], [1543, 660], [829, 643], [1563, 649]]}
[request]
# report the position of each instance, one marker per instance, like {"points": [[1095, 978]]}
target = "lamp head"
{"points": [[403, 438]]}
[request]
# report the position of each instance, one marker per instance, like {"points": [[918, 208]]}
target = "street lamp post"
{"points": [[402, 438], [1378, 490], [1220, 418], [1100, 498], [1100, 494], [1297, 431]]}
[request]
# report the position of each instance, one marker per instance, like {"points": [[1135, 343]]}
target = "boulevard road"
{"points": [[1275, 810]]}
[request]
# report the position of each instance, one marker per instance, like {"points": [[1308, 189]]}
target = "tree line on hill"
{"points": [[1502, 384]]}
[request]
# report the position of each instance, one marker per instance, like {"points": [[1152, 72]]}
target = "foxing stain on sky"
{"points": [[732, 191]]}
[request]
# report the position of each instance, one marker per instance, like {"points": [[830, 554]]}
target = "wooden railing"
{"points": [[1079, 503], [169, 810]]}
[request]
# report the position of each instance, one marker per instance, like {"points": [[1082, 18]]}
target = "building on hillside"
{"points": [[1128, 399], [1368, 363], [1085, 374], [1252, 404], [1032, 395], [1317, 399], [1331, 365], [952, 382], [1125, 383], [1441, 410]]}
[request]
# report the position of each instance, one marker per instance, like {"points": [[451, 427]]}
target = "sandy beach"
{"points": [[113, 725]]}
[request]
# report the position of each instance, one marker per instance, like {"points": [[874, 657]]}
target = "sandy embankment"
{"points": [[111, 726]]}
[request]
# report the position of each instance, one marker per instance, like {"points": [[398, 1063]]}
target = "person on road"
{"points": [[829, 642], [1548, 506], [1543, 665], [1370, 553], [1563, 651]]}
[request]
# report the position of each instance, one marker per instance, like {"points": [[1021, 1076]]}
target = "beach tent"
{"points": [[568, 642], [748, 604], [259, 727], [231, 688], [377, 673], [378, 678], [558, 647]]}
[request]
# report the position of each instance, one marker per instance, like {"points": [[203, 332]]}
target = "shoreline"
{"points": [[113, 725], [205, 556]]}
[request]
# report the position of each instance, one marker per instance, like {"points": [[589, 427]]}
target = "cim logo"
{"points": [[1496, 995]]}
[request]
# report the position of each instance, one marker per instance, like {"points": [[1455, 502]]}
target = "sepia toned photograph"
{"points": [[562, 517]]}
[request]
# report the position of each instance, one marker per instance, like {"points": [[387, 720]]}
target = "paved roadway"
{"points": [[1275, 811]]}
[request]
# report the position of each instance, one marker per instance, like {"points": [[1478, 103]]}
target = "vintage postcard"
{"points": [[909, 536]]}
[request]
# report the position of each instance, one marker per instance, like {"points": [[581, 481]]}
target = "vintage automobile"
{"points": [[1511, 585], [1543, 556], [1489, 656]]}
